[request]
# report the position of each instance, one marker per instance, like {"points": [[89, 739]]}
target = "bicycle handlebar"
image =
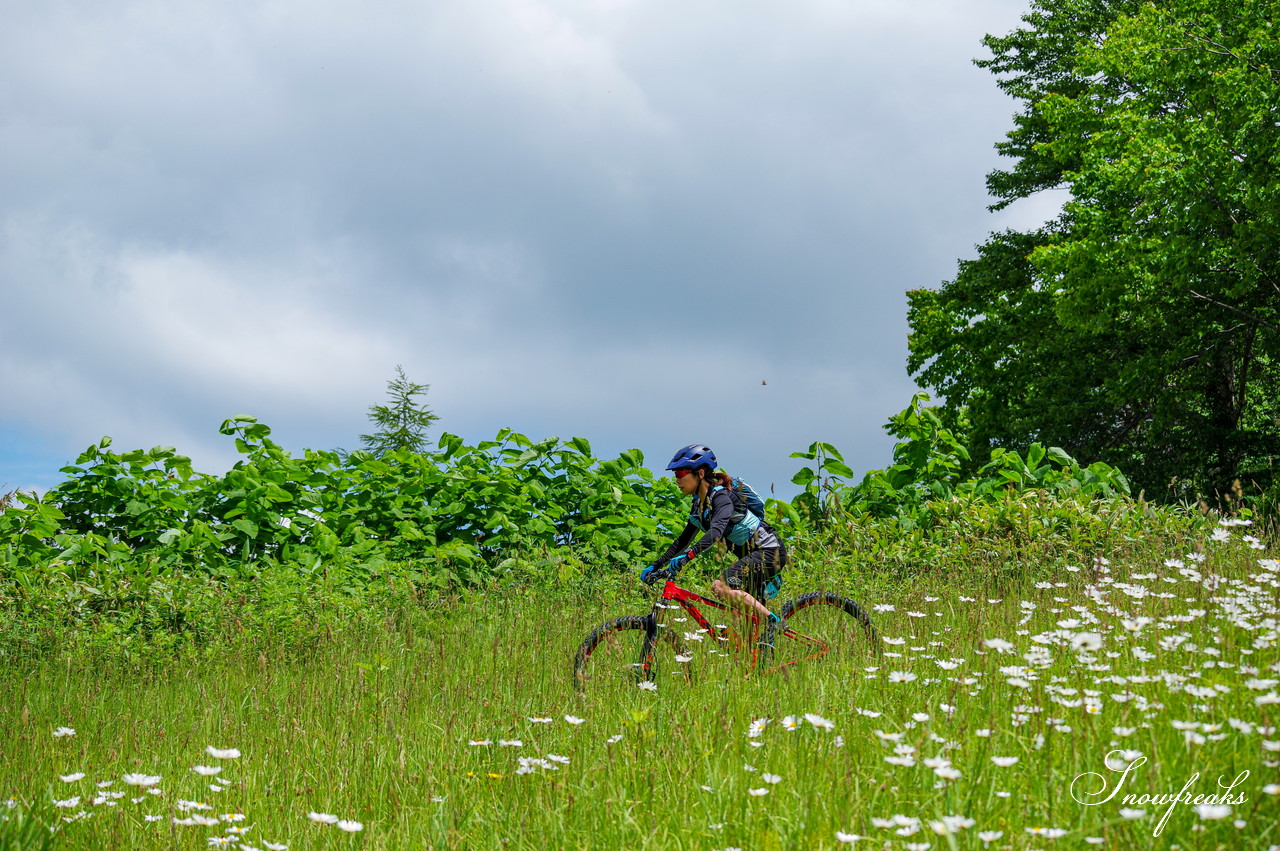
{"points": [[658, 576]]}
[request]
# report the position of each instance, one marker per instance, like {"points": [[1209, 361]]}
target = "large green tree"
{"points": [[1142, 325]]}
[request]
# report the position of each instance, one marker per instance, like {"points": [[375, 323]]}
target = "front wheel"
{"points": [[824, 627], [623, 654]]}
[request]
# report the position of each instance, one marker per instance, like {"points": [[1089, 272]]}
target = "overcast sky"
{"points": [[606, 218]]}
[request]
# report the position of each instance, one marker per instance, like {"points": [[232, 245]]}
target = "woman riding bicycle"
{"points": [[720, 514]]}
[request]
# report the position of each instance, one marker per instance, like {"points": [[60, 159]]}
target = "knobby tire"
{"points": [[626, 651], [820, 626]]}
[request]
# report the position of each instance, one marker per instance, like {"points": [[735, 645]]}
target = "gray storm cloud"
{"points": [[613, 219]]}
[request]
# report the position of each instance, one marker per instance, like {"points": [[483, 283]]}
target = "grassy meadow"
{"points": [[1001, 713]]}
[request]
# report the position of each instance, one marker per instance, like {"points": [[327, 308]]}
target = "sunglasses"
{"points": [[680, 474]]}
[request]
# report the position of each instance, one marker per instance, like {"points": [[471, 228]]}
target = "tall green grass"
{"points": [[367, 710]]}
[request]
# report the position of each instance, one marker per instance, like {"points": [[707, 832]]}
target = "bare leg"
{"points": [[740, 601]]}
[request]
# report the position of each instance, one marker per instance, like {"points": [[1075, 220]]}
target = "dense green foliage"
{"points": [[135, 552], [931, 466], [1142, 326], [460, 510], [456, 508]]}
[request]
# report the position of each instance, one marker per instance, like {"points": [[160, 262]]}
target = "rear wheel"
{"points": [[822, 627], [623, 653]]}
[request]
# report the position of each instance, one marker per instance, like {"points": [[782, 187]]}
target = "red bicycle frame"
{"points": [[689, 601]]}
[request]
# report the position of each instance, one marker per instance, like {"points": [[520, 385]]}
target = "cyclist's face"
{"points": [[686, 480]]}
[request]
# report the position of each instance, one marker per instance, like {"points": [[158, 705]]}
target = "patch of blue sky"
{"points": [[29, 462]]}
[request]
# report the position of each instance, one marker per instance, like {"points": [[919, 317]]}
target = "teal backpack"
{"points": [[748, 513]]}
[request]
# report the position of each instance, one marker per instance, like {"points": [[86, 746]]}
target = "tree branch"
{"points": [[1223, 50], [1255, 319]]}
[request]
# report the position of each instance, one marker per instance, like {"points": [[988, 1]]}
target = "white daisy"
{"points": [[1086, 641], [819, 722], [1213, 812], [140, 780]]}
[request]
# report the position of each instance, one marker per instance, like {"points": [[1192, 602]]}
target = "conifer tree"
{"points": [[403, 421]]}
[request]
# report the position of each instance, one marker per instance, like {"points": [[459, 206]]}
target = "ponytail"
{"points": [[719, 477], [714, 478]]}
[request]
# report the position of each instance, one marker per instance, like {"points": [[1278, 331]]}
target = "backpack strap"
{"points": [[739, 509]]}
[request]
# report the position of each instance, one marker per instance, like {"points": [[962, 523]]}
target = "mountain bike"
{"points": [[636, 650]]}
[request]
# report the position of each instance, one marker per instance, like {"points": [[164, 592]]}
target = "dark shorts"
{"points": [[752, 572]]}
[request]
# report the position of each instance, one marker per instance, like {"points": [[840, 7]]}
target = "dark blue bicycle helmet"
{"points": [[693, 456]]}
